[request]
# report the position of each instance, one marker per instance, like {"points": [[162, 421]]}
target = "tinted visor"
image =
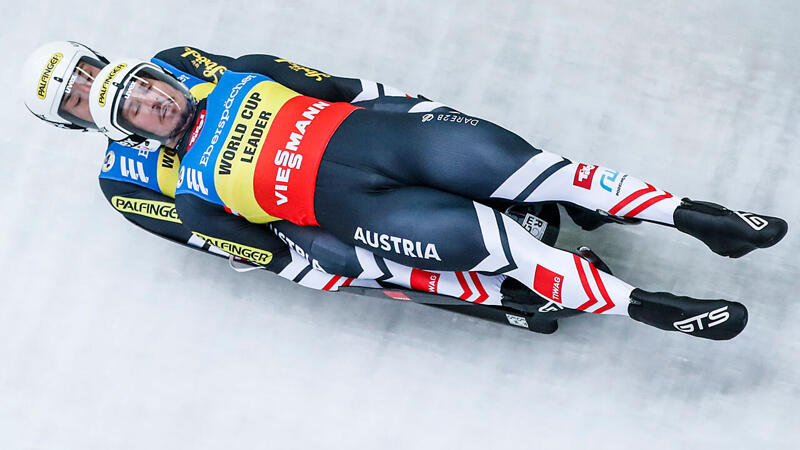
{"points": [[74, 105], [154, 105]]}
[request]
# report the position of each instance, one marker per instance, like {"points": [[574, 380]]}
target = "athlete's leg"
{"points": [[326, 253], [481, 161], [436, 230], [549, 177], [613, 193]]}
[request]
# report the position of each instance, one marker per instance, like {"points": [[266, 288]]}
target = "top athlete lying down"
{"points": [[377, 177]]}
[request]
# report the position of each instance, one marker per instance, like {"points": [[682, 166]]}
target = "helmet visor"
{"points": [[154, 105], [74, 105]]}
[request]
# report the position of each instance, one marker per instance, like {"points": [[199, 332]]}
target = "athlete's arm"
{"points": [[196, 63], [305, 80], [313, 258], [232, 234], [146, 208], [256, 243], [302, 79]]}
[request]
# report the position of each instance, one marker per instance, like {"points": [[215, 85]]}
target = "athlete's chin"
{"points": [[179, 122], [171, 123]]}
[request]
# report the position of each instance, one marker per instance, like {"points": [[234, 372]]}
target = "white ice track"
{"points": [[113, 339]]}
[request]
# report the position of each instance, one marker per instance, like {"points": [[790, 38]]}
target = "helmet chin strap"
{"points": [[143, 143], [140, 143], [65, 126]]}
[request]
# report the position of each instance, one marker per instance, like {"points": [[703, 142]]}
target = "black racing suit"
{"points": [[141, 186], [420, 188], [395, 181]]}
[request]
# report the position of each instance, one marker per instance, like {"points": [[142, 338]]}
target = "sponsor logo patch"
{"points": [[224, 117], [714, 318], [198, 126], [584, 175], [108, 163], [194, 180], [621, 181], [167, 158], [757, 223], [454, 117], [148, 208], [289, 157], [310, 73], [129, 168], [401, 246], [548, 283], [252, 254], [212, 69], [314, 263], [101, 99], [611, 180], [47, 74], [424, 281], [551, 306]]}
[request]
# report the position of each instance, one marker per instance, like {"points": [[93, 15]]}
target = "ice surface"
{"points": [[113, 339]]}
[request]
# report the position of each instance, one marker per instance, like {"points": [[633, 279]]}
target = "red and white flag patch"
{"points": [[548, 283], [584, 175], [422, 280]]}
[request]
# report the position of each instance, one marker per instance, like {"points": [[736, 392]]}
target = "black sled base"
{"points": [[537, 318]]}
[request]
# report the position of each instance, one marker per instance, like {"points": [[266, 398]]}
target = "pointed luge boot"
{"points": [[726, 232], [710, 319]]}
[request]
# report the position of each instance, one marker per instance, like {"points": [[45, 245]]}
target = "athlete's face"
{"points": [[155, 106], [76, 101]]}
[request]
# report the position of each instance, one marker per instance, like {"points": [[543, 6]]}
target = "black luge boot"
{"points": [[710, 319], [726, 232]]}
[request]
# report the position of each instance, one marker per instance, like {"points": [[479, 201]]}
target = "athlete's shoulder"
{"points": [[157, 171], [275, 66], [149, 209], [193, 65]]}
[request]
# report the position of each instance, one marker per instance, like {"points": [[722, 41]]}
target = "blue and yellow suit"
{"points": [[141, 185]]}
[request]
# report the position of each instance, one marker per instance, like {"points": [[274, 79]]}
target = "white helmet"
{"points": [[139, 104], [50, 73]]}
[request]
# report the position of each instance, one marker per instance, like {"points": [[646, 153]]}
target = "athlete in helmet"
{"points": [[424, 189], [141, 184], [56, 82]]}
